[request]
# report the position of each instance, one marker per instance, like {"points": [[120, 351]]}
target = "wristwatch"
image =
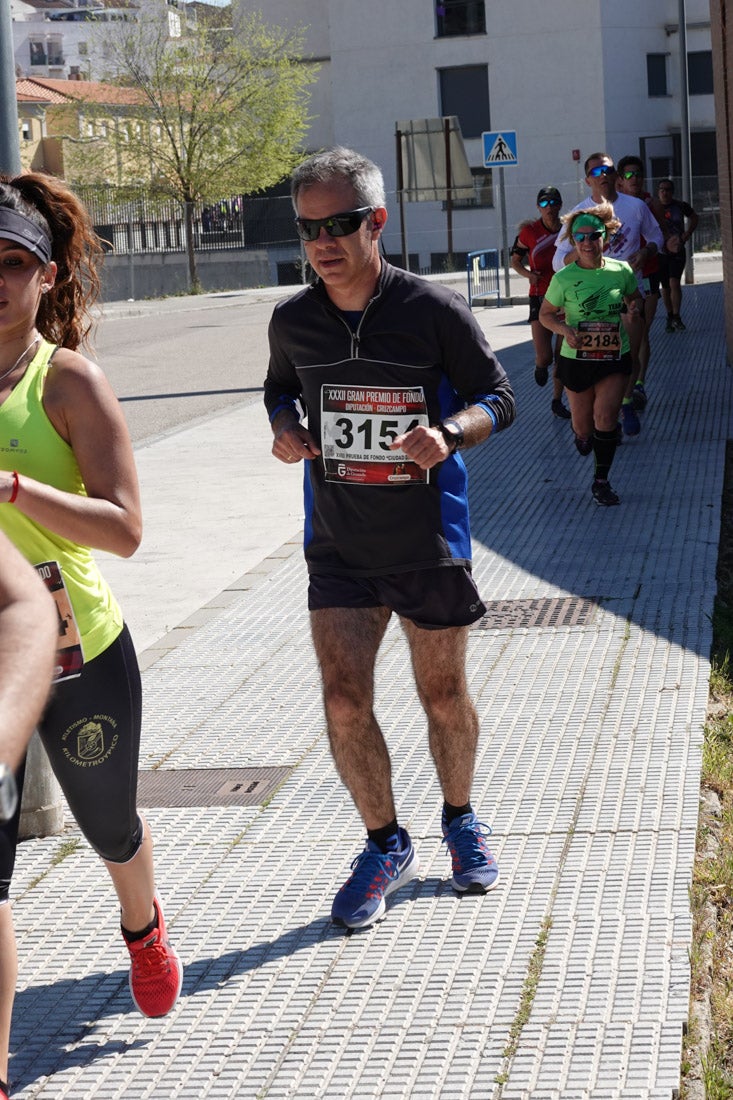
{"points": [[8, 793], [452, 433]]}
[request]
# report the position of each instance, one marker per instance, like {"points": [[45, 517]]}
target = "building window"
{"points": [[454, 17], [704, 153], [38, 53], [464, 91], [700, 72], [656, 74], [55, 52], [25, 131]]}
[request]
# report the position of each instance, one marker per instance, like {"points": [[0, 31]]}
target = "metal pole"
{"points": [[448, 190], [504, 237], [9, 143], [401, 198], [686, 161]]}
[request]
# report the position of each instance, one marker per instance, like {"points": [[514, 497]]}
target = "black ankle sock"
{"points": [[132, 937], [382, 837], [450, 813], [604, 448]]}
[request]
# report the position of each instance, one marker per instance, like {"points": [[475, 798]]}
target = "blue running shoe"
{"points": [[629, 419], [639, 397], [475, 871], [375, 874]]}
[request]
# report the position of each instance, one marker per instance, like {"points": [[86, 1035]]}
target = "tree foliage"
{"points": [[218, 111], [227, 110]]}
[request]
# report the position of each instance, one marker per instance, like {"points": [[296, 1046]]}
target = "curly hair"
{"points": [[64, 313], [603, 211]]}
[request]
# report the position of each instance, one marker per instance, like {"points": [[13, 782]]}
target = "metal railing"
{"points": [[482, 269]]}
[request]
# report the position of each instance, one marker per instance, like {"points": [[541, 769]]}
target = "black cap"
{"points": [[549, 193]]}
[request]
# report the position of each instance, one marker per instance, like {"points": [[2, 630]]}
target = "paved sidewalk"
{"points": [[570, 981]]}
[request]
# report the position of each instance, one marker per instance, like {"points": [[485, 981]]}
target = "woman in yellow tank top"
{"points": [[67, 484]]}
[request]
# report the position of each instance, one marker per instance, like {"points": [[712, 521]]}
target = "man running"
{"points": [[396, 379]]}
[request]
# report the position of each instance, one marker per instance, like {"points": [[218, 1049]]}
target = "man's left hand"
{"points": [[424, 446]]}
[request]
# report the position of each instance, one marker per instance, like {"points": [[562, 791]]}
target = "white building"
{"points": [[67, 39], [570, 77]]}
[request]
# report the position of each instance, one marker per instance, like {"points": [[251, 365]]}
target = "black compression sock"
{"points": [[382, 837], [604, 448], [450, 813]]}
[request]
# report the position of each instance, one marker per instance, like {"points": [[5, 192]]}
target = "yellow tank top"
{"points": [[30, 444]]}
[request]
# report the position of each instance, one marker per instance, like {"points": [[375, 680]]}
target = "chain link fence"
{"points": [[130, 222]]}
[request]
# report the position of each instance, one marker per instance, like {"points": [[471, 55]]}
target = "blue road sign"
{"points": [[500, 148]]}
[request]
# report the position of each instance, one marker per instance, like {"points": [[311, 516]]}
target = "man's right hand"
{"points": [[292, 440]]}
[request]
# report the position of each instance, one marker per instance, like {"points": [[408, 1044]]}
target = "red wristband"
{"points": [[16, 486]]}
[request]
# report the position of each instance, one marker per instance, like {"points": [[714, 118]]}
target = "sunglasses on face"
{"points": [[337, 225], [602, 170], [633, 173], [549, 202], [595, 235]]}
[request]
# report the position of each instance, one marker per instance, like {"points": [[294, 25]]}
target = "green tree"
{"points": [[225, 109]]}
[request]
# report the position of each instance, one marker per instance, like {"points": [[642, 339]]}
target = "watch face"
{"points": [[452, 433]]}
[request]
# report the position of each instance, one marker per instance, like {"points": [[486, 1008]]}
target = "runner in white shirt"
{"points": [[637, 223]]}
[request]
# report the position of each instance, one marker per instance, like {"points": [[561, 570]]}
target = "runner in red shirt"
{"points": [[531, 257]]}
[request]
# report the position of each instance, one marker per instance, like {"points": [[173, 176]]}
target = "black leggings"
{"points": [[91, 732]]}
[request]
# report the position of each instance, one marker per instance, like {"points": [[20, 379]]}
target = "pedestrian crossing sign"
{"points": [[500, 148]]}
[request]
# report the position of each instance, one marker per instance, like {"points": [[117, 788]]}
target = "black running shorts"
{"points": [[434, 599]]}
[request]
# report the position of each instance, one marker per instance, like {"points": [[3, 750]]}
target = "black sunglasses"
{"points": [[549, 202], [602, 170], [595, 235], [337, 225]]}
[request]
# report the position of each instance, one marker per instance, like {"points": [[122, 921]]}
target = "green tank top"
{"points": [[30, 444]]}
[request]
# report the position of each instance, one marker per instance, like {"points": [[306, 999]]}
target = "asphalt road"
{"points": [[176, 361]]}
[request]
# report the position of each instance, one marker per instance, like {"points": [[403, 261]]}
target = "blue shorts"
{"points": [[433, 599]]}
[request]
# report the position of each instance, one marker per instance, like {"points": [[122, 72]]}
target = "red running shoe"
{"points": [[156, 974]]}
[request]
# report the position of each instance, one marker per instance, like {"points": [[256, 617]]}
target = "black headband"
{"points": [[20, 229]]}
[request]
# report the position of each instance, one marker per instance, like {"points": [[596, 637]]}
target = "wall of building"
{"points": [[565, 76], [722, 36]]}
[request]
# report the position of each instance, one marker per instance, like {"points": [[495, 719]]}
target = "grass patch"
{"points": [[707, 1060], [529, 991], [65, 849]]}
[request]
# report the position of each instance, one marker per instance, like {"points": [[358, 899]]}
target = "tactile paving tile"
{"points": [[588, 772]]}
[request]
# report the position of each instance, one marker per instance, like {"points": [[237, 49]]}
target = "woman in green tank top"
{"points": [[585, 303], [67, 484]]}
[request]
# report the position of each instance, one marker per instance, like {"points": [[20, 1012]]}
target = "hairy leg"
{"points": [[439, 664], [346, 642]]}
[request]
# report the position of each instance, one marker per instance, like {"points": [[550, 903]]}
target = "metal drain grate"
{"points": [[208, 786], [548, 612]]}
